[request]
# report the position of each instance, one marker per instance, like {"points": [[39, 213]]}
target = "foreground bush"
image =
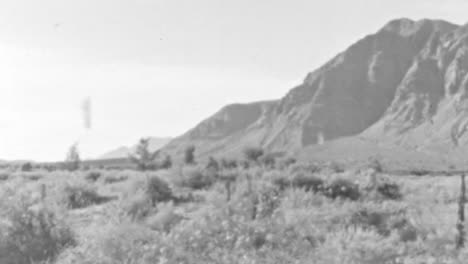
{"points": [[4, 176], [113, 178], [93, 176], [307, 182], [80, 195], [157, 190], [389, 191], [342, 188], [31, 233], [137, 207], [194, 178], [300, 180], [165, 219]]}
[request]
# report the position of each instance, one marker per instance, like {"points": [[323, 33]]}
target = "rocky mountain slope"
{"points": [[405, 85]]}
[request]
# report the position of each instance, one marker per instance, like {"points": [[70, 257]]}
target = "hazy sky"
{"points": [[158, 67]]}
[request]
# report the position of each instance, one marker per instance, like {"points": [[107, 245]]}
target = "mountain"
{"points": [[155, 143], [405, 85]]}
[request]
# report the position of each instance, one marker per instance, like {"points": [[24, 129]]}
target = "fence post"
{"points": [[460, 241]]}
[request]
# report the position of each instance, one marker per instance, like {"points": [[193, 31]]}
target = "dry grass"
{"points": [[411, 221]]}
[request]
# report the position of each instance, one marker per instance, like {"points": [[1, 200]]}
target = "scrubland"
{"points": [[225, 212]]}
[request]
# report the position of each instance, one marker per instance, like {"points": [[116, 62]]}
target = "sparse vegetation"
{"points": [[210, 213]]}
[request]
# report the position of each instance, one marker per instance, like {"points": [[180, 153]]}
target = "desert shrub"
{"points": [[307, 182], [79, 195], [212, 164], [93, 176], [137, 207], [31, 233], [370, 219], [4, 176], [385, 221], [287, 162], [157, 190], [31, 176], [124, 243], [389, 190], [229, 164], [268, 160], [26, 167], [194, 178], [164, 219], [342, 188], [309, 168], [266, 200], [299, 180], [357, 246], [113, 178], [282, 182], [253, 153], [335, 167]]}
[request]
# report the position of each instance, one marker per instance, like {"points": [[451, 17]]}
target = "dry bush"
{"points": [[342, 188], [125, 243], [31, 233], [389, 190], [195, 178], [307, 182], [4, 176], [158, 190], [79, 195], [165, 219], [299, 180], [137, 207], [385, 219], [93, 176], [30, 176], [115, 177]]}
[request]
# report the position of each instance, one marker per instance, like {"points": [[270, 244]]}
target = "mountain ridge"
{"points": [[155, 143], [389, 85]]}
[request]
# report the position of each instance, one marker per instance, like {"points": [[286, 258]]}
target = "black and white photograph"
{"points": [[233, 131]]}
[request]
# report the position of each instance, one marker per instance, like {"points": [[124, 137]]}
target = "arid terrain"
{"points": [[251, 210]]}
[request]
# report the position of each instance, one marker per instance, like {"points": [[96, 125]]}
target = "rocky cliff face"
{"points": [[405, 84]]}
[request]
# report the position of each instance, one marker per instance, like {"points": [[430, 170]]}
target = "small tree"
{"points": [[253, 153], [189, 157], [166, 163], [26, 166], [212, 164], [73, 158], [143, 157]]}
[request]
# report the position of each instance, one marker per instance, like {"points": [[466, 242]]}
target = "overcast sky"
{"points": [[158, 67]]}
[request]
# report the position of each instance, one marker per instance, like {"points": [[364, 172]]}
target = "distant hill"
{"points": [[122, 152], [405, 85]]}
